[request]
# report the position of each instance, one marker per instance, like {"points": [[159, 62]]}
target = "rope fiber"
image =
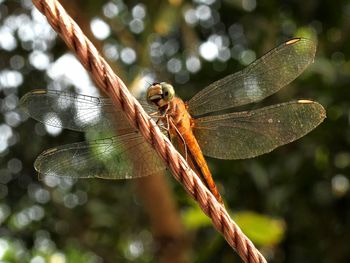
{"points": [[114, 87]]}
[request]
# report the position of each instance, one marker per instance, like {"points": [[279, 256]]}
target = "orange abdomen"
{"points": [[182, 120]]}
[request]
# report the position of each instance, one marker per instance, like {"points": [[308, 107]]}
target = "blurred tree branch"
{"points": [[170, 236]]}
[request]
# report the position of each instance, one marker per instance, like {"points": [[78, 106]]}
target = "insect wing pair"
{"points": [[236, 135]]}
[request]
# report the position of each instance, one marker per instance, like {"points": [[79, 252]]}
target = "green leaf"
{"points": [[194, 218], [261, 229]]}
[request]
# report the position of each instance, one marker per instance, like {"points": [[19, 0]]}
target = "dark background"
{"points": [[293, 202]]}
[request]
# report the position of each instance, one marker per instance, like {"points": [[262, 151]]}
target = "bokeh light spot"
{"points": [[247, 57], [193, 64], [128, 55], [208, 50], [340, 185], [100, 29]]}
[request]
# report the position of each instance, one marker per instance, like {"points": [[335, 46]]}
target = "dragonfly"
{"points": [[195, 126]]}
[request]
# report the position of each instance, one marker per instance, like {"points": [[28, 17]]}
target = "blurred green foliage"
{"points": [[260, 229], [299, 193]]}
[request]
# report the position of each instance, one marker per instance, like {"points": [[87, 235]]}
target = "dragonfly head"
{"points": [[160, 94]]}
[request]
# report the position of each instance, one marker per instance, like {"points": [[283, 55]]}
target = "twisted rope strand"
{"points": [[105, 78]]}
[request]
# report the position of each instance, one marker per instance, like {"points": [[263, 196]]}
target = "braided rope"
{"points": [[105, 78]]}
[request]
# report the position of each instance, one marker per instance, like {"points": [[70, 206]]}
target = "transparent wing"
{"points": [[259, 80], [120, 157], [241, 135], [74, 111], [123, 156]]}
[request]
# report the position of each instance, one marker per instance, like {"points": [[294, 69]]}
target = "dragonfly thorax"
{"points": [[160, 94]]}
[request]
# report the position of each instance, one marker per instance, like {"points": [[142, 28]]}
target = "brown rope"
{"points": [[116, 89]]}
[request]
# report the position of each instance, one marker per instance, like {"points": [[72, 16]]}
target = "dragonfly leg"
{"points": [[167, 128], [162, 127], [160, 114], [164, 118], [156, 114]]}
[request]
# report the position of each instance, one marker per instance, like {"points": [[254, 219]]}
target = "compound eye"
{"points": [[168, 91]]}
